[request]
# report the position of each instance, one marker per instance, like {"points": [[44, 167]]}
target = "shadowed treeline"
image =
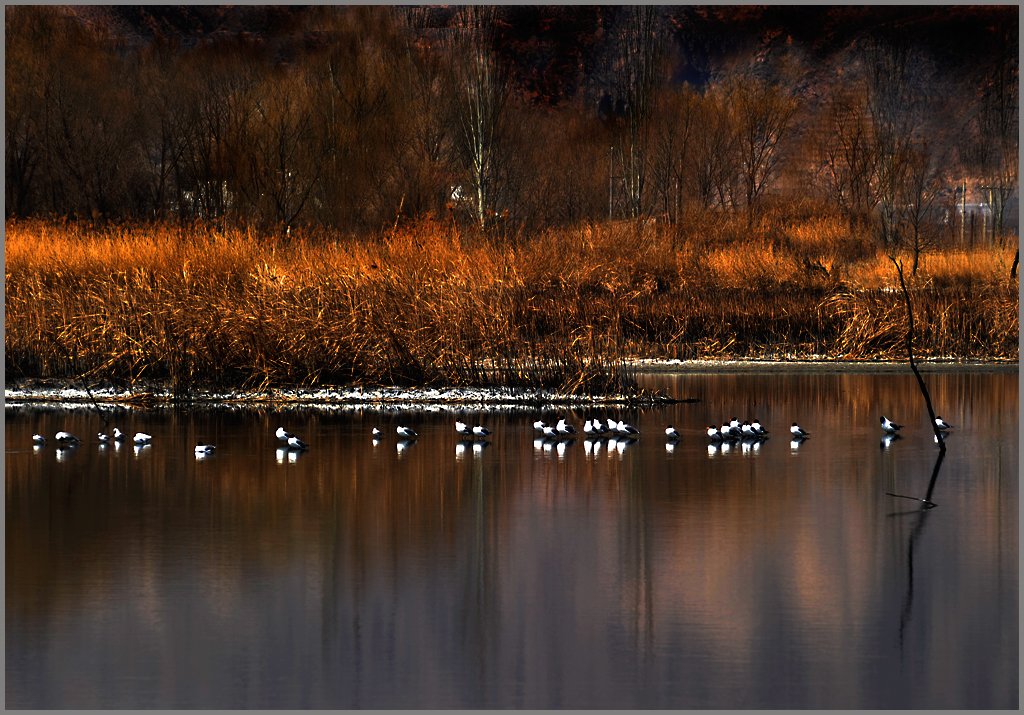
{"points": [[516, 119]]}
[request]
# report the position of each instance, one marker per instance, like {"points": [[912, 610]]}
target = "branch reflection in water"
{"points": [[922, 516]]}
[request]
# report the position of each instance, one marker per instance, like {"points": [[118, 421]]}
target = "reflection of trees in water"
{"points": [[636, 556], [479, 615]]}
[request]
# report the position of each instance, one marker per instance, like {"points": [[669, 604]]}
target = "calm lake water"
{"points": [[522, 575]]}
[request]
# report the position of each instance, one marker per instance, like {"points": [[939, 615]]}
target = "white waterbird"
{"points": [[889, 426], [626, 429], [798, 432], [564, 427], [141, 438], [406, 432]]}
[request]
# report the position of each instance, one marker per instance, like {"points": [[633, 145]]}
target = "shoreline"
{"points": [[55, 393], [820, 365]]}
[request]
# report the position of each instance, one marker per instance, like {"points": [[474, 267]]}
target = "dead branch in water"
{"points": [[910, 355]]}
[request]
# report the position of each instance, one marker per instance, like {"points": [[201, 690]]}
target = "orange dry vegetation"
{"points": [[428, 305]]}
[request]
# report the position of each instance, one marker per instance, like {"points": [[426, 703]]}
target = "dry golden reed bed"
{"points": [[202, 308]]}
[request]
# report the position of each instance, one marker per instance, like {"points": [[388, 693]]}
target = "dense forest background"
{"points": [[513, 119]]}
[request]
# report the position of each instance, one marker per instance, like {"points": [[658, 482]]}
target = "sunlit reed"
{"points": [[428, 305]]}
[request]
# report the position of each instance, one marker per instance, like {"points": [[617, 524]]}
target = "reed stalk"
{"points": [[424, 305]]}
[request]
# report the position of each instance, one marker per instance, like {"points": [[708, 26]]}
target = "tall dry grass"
{"points": [[427, 305]]}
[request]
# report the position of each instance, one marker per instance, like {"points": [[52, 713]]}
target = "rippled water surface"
{"points": [[521, 574]]}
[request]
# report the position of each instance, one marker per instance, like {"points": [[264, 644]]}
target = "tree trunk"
{"points": [[910, 356]]}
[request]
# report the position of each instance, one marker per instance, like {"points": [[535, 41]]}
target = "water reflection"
{"points": [[476, 447], [284, 455], [620, 444], [888, 440], [561, 446], [403, 445], [379, 578], [922, 514], [66, 452]]}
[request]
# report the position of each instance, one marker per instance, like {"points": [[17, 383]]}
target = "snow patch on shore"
{"points": [[377, 399]]}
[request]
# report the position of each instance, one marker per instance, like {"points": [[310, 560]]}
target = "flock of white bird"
{"points": [[731, 431], [67, 440]]}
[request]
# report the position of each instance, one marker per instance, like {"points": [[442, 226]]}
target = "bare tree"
{"points": [[921, 190], [846, 156], [896, 80], [283, 161], [482, 90], [639, 65], [712, 160], [164, 100], [216, 132], [998, 114], [25, 77], [675, 128], [427, 154], [761, 116], [90, 127]]}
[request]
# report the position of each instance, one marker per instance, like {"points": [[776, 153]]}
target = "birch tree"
{"points": [[482, 90]]}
